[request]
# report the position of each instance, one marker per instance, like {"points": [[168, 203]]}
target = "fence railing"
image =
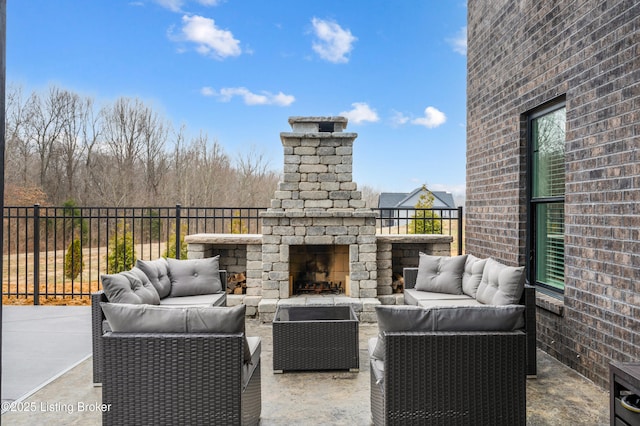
{"points": [[60, 252]]}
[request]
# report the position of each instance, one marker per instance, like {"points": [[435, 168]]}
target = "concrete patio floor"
{"points": [[558, 396]]}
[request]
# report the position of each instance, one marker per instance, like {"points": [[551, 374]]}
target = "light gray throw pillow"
{"points": [[472, 275], [158, 273], [194, 276], [440, 274], [500, 284], [129, 287]]}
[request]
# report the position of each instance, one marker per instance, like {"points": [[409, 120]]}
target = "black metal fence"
{"points": [[60, 252]]}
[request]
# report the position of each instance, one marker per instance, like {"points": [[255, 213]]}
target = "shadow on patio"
{"points": [[559, 396]]}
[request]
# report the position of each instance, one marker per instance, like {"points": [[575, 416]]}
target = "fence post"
{"points": [[178, 231], [460, 226], [36, 254]]}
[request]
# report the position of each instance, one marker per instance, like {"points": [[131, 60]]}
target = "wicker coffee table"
{"points": [[315, 338]]}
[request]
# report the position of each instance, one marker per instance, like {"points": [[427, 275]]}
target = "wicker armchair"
{"points": [[190, 379], [450, 378], [528, 299], [99, 327]]}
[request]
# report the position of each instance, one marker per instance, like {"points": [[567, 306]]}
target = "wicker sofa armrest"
{"points": [[410, 276], [152, 378], [451, 378]]}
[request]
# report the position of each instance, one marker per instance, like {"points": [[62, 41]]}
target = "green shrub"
{"points": [[73, 262], [121, 254], [171, 244]]}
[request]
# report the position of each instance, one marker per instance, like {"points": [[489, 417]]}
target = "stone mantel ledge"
{"points": [[223, 239], [297, 213], [257, 238], [414, 238]]}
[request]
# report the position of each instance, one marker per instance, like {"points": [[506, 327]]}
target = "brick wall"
{"points": [[522, 55]]}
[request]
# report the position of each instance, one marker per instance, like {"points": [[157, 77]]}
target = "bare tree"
{"points": [[254, 179]]}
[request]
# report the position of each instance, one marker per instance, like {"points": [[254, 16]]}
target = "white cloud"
{"points": [[333, 42], [459, 42], [360, 113], [172, 5], [176, 5], [432, 118], [210, 40], [249, 98], [398, 119]]}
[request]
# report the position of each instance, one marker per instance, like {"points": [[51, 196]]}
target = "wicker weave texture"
{"points": [[452, 378], [316, 344], [169, 379]]}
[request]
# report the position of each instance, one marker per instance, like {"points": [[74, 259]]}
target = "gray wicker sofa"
{"points": [[192, 365], [165, 282], [470, 281]]}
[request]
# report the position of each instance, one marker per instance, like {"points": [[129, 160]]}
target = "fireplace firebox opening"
{"points": [[318, 269]]}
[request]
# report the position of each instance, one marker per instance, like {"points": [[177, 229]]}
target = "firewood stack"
{"points": [[237, 283], [398, 283]]}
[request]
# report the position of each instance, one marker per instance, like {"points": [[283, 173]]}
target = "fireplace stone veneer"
{"points": [[317, 203]]}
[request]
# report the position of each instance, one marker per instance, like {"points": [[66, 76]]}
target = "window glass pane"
{"points": [[550, 244], [548, 134]]}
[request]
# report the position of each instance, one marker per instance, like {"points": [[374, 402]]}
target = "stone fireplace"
{"points": [[318, 207], [318, 243]]}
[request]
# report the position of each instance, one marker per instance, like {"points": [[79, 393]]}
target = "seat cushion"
{"points": [[214, 299], [191, 277], [413, 296], [472, 275], [158, 274], [500, 284], [129, 287], [440, 274], [449, 302]]}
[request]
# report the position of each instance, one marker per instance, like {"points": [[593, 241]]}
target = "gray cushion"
{"points": [[214, 299], [194, 276], [473, 268], [399, 318], [441, 274], [449, 302], [128, 318], [500, 284], [478, 318], [158, 274], [413, 296], [129, 287]]}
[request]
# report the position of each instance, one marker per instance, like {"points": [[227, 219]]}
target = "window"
{"points": [[546, 201]]}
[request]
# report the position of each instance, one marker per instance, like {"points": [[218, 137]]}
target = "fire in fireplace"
{"points": [[319, 269]]}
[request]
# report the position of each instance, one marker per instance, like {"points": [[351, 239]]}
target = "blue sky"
{"points": [[238, 69]]}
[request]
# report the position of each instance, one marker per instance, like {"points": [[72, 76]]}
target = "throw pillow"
{"points": [[129, 287], [500, 284], [472, 275], [440, 274], [158, 274], [194, 276], [399, 318]]}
